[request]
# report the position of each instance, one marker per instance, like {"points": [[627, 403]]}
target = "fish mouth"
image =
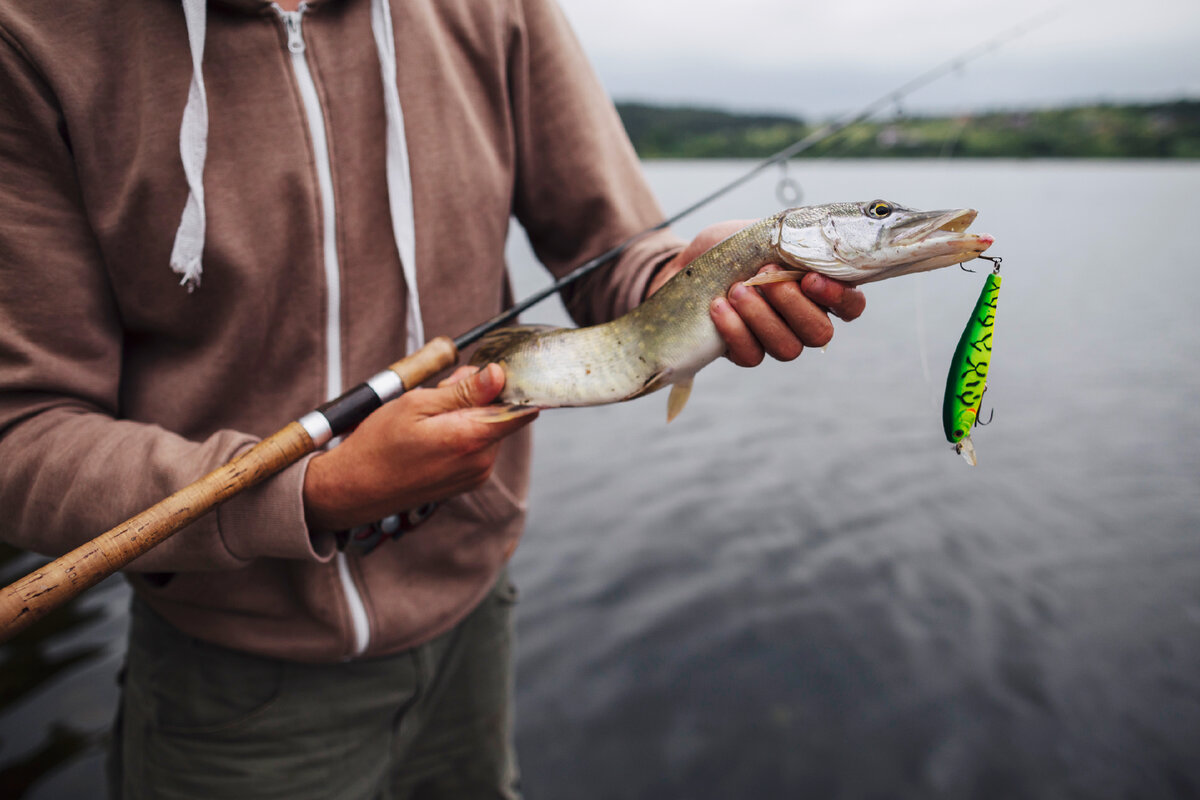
{"points": [[932, 240], [925, 225]]}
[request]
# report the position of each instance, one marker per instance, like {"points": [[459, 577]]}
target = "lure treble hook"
{"points": [[995, 264], [991, 414]]}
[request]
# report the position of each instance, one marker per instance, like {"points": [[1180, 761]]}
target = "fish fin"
{"points": [[680, 392], [494, 346], [652, 384], [501, 413], [780, 276]]}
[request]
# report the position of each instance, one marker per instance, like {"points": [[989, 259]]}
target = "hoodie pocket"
{"points": [[492, 503]]}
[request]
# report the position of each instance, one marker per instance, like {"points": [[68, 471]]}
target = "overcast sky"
{"points": [[819, 59]]}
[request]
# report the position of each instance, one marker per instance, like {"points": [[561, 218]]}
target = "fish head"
{"points": [[864, 242]]}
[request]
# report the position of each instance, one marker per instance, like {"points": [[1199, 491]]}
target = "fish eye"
{"points": [[878, 209]]}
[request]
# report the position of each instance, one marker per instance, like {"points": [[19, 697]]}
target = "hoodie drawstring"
{"points": [[193, 149], [399, 176], [186, 254]]}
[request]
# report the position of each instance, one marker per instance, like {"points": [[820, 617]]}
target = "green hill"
{"points": [[1154, 130]]}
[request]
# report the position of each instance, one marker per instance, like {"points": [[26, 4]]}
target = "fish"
{"points": [[670, 337]]}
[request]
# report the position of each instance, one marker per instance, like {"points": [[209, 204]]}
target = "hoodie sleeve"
{"points": [[580, 188], [70, 467]]}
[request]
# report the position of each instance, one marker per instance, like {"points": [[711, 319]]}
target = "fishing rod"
{"points": [[29, 599]]}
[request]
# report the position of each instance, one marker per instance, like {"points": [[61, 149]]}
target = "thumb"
{"points": [[478, 389]]}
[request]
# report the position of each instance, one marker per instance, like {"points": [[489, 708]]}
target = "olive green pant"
{"points": [[199, 721]]}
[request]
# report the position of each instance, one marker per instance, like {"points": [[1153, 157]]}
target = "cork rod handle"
{"points": [[38, 593]]}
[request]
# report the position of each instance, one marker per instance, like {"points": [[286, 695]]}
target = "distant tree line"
{"points": [[1153, 130]]}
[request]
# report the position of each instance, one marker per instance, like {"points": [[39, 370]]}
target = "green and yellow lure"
{"points": [[967, 380]]}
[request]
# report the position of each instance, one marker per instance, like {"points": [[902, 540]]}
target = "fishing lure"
{"points": [[967, 379]]}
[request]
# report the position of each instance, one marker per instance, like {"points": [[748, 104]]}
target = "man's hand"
{"points": [[779, 319], [428, 444]]}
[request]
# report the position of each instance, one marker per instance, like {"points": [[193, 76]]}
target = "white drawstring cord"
{"points": [[399, 176], [188, 249]]}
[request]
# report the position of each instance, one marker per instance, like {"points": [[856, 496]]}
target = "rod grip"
{"points": [[29, 599], [437, 354]]}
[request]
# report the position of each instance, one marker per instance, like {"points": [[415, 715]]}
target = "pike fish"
{"points": [[670, 337]]}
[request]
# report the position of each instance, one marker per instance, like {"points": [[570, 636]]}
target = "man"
{"points": [[341, 183]]}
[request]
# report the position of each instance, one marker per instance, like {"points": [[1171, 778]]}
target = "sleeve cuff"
{"points": [[638, 266], [267, 521]]}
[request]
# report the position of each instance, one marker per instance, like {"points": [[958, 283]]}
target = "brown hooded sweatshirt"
{"points": [[119, 386]]}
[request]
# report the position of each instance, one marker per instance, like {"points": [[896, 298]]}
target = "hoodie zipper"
{"points": [[292, 21]]}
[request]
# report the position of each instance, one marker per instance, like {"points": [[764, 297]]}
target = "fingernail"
{"points": [[739, 291], [487, 378]]}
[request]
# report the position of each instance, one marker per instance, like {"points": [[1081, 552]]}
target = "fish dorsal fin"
{"points": [[494, 345], [680, 392]]}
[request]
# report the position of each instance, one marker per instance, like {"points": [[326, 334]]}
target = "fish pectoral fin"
{"points": [[494, 346], [680, 392], [780, 276]]}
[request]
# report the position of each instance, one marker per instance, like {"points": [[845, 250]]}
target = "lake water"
{"points": [[797, 588]]}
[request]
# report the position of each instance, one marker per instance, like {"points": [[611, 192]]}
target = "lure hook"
{"points": [[995, 264], [991, 414]]}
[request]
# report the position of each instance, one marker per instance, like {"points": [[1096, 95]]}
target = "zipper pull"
{"points": [[291, 23]]}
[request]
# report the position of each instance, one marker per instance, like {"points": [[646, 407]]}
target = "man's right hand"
{"points": [[426, 445]]}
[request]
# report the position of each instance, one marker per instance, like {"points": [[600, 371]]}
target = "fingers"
{"points": [[457, 375], [464, 400], [845, 302], [464, 389], [427, 444], [781, 319], [741, 346]]}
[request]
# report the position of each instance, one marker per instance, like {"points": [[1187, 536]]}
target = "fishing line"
{"points": [[922, 335], [830, 129], [919, 285]]}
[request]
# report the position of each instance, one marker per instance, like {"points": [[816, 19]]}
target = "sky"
{"points": [[822, 59]]}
